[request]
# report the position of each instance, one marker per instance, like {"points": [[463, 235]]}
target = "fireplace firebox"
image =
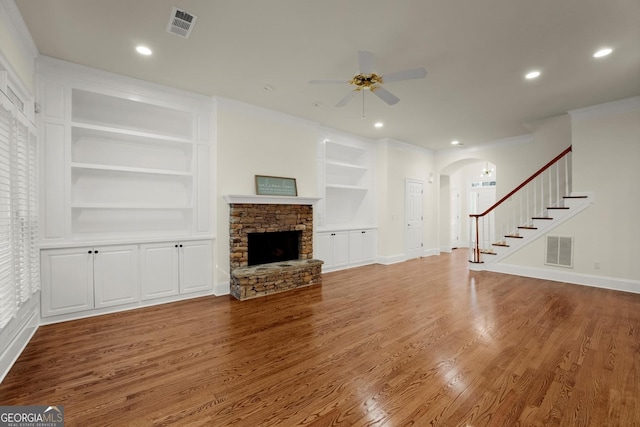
{"points": [[277, 246]]}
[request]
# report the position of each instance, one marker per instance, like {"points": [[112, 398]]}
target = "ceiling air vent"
{"points": [[559, 251], [181, 23]]}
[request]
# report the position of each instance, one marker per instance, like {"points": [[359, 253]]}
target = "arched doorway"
{"points": [[466, 186]]}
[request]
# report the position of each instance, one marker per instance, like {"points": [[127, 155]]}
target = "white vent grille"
{"points": [[559, 251], [181, 23]]}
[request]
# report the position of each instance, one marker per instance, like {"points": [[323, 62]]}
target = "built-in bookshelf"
{"points": [[346, 234], [122, 161]]}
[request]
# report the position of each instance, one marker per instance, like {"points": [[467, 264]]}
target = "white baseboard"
{"points": [[392, 259], [223, 288], [17, 333], [430, 252], [613, 283]]}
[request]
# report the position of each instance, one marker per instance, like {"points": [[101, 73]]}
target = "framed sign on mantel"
{"points": [[275, 186]]}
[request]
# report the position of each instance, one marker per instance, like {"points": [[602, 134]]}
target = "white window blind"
{"points": [[19, 257]]}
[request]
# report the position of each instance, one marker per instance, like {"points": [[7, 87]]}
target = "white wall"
{"points": [[606, 155], [253, 141], [398, 162]]}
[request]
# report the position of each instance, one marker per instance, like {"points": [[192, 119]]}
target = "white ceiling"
{"points": [[476, 54]]}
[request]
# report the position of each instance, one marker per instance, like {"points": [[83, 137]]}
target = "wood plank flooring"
{"points": [[421, 343]]}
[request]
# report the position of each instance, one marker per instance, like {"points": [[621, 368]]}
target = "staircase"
{"points": [[531, 210]]}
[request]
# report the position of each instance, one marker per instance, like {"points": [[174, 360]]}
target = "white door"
{"points": [[481, 199], [413, 200], [456, 227]]}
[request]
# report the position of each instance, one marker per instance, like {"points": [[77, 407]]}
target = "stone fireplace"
{"points": [[273, 224]]}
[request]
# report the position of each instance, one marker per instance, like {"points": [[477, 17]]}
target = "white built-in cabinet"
{"points": [[332, 248], [175, 268], [123, 162], [80, 279], [346, 214], [362, 246]]}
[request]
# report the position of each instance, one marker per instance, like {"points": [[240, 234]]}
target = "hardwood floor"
{"points": [[421, 343]]}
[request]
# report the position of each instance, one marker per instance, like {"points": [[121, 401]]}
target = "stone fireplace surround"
{"points": [[260, 214]]}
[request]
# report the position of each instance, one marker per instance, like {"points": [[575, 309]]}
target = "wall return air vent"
{"points": [[181, 23], [559, 251]]}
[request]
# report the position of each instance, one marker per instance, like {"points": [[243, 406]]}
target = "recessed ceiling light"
{"points": [[378, 124], [455, 142], [143, 50], [532, 74], [603, 52], [269, 88]]}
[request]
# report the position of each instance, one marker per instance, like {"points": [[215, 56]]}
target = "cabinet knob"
{"points": [[363, 232], [176, 246], [95, 252], [90, 252], [180, 245]]}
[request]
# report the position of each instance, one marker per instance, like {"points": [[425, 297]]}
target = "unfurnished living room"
{"points": [[337, 213]]}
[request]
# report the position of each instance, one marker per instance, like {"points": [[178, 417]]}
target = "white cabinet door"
{"points": [[196, 259], [356, 250], [322, 249], [340, 248], [115, 275], [67, 281], [362, 246], [332, 248], [160, 270], [370, 245]]}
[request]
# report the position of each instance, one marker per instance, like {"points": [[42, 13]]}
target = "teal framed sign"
{"points": [[275, 186]]}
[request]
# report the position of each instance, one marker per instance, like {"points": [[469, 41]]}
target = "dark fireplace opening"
{"points": [[277, 246]]}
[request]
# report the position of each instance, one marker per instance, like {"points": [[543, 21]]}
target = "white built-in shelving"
{"points": [[347, 211], [127, 170]]}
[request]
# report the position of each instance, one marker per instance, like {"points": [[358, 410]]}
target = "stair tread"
{"points": [[558, 207], [488, 252], [541, 217], [514, 236], [575, 197], [527, 227], [504, 245]]}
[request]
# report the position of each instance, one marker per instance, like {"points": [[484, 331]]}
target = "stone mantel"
{"points": [[234, 199]]}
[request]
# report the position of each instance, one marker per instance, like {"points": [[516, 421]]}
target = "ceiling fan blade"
{"points": [[346, 99], [385, 95], [323, 82], [416, 73], [365, 61]]}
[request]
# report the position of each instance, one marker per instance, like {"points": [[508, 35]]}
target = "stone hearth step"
{"points": [[264, 279]]}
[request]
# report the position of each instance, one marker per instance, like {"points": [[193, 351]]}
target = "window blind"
{"points": [[19, 257]]}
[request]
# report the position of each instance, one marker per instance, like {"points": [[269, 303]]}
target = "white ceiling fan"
{"points": [[367, 79]]}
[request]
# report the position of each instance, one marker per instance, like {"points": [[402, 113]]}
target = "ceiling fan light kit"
{"points": [[367, 79]]}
